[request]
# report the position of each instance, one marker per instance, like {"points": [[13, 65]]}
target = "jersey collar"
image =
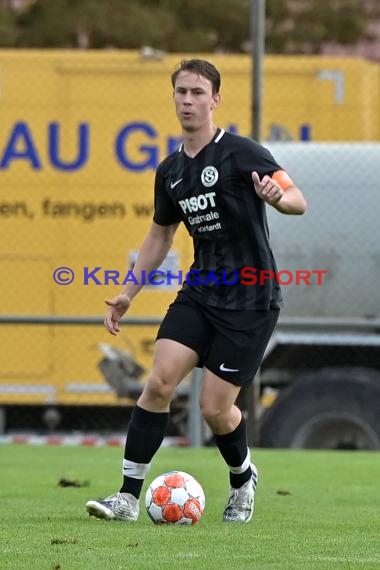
{"points": [[217, 137]]}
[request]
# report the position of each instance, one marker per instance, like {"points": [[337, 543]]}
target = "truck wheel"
{"points": [[334, 408]]}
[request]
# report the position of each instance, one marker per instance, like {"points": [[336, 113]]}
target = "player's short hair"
{"points": [[201, 67]]}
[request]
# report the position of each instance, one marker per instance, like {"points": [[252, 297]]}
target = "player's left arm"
{"points": [[279, 191]]}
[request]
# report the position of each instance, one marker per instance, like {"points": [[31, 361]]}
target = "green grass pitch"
{"points": [[314, 510]]}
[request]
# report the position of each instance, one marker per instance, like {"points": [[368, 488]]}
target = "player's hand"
{"points": [[267, 189], [116, 309]]}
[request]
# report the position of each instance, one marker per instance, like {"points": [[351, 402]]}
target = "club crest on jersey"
{"points": [[209, 176]]}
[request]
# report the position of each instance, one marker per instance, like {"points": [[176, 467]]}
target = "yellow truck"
{"points": [[81, 134]]}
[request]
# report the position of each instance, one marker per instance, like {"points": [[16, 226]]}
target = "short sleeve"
{"points": [[166, 211], [253, 156]]}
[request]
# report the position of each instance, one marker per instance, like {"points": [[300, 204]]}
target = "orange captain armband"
{"points": [[283, 179]]}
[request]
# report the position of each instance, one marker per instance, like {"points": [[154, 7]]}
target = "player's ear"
{"points": [[215, 101]]}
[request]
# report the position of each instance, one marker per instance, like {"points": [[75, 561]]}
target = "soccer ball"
{"points": [[175, 498]]}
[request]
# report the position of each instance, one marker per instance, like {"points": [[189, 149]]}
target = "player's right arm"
{"points": [[152, 253]]}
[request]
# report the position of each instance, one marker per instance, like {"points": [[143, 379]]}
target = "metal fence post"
{"points": [[194, 414]]}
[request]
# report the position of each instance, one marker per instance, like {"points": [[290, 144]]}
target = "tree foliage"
{"points": [[342, 22], [292, 26], [7, 27]]}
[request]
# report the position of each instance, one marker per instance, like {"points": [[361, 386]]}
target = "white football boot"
{"points": [[119, 506], [241, 501]]}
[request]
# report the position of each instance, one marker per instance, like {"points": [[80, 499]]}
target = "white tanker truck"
{"points": [[320, 378]]}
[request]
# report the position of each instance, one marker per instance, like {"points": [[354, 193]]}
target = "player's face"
{"points": [[194, 100]]}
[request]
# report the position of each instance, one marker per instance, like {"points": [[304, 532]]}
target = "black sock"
{"points": [[234, 449], [146, 432]]}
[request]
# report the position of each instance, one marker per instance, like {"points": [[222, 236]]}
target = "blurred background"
{"points": [[86, 117]]}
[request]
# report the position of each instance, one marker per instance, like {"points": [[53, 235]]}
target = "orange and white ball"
{"points": [[175, 498]]}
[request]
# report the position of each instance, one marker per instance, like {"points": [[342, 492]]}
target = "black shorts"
{"points": [[231, 344]]}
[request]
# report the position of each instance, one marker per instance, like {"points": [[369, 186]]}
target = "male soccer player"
{"points": [[218, 185]]}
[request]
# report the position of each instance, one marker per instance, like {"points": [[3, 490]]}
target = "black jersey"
{"points": [[213, 194]]}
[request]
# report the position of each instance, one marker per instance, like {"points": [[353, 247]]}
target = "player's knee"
{"points": [[212, 414], [158, 389]]}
